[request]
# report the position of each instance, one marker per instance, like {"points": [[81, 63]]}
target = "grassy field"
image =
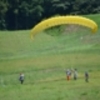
{"points": [[44, 61]]}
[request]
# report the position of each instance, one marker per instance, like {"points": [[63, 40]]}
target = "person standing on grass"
{"points": [[21, 78], [68, 74], [86, 76], [75, 74]]}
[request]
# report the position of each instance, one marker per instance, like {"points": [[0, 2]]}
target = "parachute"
{"points": [[62, 20]]}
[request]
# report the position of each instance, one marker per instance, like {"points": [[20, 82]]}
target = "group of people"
{"points": [[74, 72], [69, 74]]}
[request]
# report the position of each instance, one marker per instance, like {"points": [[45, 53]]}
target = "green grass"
{"points": [[44, 61]]}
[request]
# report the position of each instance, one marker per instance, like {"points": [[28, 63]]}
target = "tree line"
{"points": [[24, 14]]}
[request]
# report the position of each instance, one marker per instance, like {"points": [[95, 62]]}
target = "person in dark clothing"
{"points": [[75, 74], [86, 76], [21, 78]]}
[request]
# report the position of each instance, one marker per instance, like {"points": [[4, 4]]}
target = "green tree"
{"points": [[12, 14], [24, 14], [85, 6], [3, 10], [62, 6]]}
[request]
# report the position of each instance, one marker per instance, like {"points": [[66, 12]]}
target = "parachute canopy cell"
{"points": [[62, 20]]}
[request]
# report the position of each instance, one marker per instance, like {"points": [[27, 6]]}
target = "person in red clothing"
{"points": [[68, 74]]}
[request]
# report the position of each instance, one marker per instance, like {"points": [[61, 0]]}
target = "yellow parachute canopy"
{"points": [[59, 20]]}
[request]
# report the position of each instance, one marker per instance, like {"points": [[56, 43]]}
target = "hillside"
{"points": [[44, 61]]}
